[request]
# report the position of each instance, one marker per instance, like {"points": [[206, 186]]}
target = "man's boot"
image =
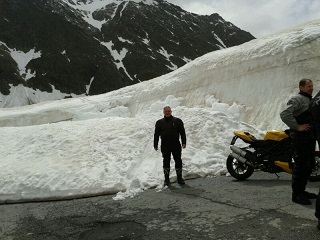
{"points": [[179, 176], [166, 172]]}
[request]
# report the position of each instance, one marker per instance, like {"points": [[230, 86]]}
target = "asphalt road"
{"points": [[207, 208]]}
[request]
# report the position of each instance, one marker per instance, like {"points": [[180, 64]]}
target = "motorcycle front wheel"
{"points": [[238, 169]]}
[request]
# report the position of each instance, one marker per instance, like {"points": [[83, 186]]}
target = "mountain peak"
{"points": [[149, 2], [89, 47], [106, 2]]}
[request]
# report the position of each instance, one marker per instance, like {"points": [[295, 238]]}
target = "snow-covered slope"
{"points": [[104, 143], [260, 75]]}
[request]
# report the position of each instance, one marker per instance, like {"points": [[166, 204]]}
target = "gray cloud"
{"points": [[259, 17]]}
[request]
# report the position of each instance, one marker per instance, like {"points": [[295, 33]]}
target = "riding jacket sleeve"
{"points": [[156, 135], [295, 106], [182, 132]]}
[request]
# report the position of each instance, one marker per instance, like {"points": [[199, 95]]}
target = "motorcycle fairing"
{"points": [[284, 165], [274, 135]]}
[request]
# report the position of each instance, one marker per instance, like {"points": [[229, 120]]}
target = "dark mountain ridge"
{"points": [[81, 51]]}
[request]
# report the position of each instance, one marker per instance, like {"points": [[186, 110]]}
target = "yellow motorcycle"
{"points": [[273, 154]]}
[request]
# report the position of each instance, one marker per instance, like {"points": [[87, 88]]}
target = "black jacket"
{"points": [[169, 129], [315, 113]]}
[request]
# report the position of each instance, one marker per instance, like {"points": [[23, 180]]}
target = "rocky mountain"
{"points": [[52, 49]]}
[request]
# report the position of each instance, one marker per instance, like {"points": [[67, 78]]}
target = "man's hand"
{"points": [[183, 146], [156, 148], [304, 127]]}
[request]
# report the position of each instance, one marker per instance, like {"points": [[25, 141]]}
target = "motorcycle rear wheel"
{"points": [[238, 169]]}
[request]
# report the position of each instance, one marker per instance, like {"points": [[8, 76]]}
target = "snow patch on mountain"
{"points": [[22, 59], [89, 7], [165, 53], [117, 56]]}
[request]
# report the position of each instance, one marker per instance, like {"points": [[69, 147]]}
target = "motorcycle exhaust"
{"points": [[240, 155], [241, 159], [238, 150]]}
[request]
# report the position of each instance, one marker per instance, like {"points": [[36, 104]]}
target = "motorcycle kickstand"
{"points": [[277, 175]]}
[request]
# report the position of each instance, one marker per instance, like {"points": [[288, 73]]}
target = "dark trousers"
{"points": [[304, 146], [175, 150]]}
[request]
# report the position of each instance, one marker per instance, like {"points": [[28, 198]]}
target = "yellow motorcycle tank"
{"points": [[275, 135]]}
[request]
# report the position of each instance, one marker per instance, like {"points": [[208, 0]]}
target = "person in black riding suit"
{"points": [[297, 117], [315, 113], [170, 129]]}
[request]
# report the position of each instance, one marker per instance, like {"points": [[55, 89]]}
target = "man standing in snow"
{"points": [[297, 117], [170, 128]]}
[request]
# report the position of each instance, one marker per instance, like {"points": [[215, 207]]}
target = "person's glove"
{"points": [[156, 148]]}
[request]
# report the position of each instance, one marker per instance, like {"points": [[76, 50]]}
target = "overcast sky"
{"points": [[259, 17]]}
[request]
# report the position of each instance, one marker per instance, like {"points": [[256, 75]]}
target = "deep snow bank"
{"points": [[260, 74]]}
